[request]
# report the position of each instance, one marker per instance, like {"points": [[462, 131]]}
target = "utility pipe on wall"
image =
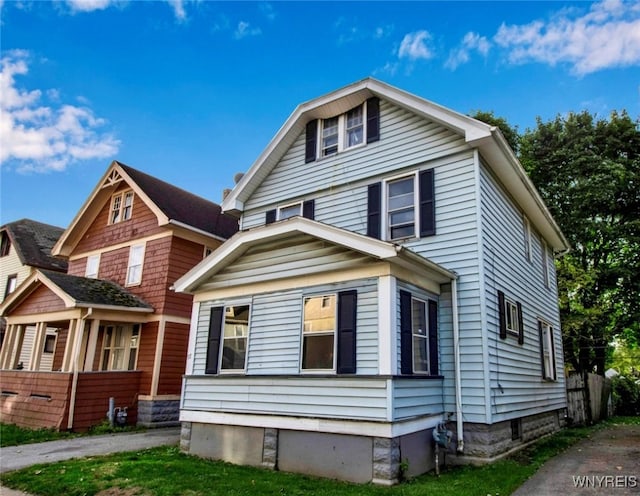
{"points": [[456, 354]]}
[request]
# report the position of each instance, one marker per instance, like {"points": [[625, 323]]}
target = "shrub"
{"points": [[626, 395]]}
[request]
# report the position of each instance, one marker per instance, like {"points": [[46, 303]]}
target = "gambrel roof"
{"points": [[171, 205], [490, 142], [78, 292], [292, 234], [33, 242]]}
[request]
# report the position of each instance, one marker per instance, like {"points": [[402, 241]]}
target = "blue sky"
{"points": [[192, 91]]}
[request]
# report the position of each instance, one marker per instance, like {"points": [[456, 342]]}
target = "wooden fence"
{"points": [[587, 398]]}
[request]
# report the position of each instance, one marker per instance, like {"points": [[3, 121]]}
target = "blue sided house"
{"points": [[393, 274]]}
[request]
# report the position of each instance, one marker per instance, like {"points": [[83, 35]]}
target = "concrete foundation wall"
{"points": [[158, 413]]}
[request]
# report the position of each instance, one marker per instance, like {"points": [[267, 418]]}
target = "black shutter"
{"points": [[374, 210], [541, 349], [308, 209], [347, 331], [213, 343], [433, 337], [406, 336], [373, 119], [520, 324], [502, 316], [311, 141], [270, 217], [427, 204]]}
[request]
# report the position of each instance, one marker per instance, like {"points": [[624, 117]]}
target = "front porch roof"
{"points": [[77, 292], [242, 241]]}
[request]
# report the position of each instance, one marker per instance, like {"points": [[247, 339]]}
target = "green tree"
{"points": [[588, 172], [509, 133]]}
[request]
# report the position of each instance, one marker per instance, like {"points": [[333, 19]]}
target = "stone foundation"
{"points": [[360, 459], [158, 413]]}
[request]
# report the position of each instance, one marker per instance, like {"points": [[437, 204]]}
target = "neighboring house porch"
{"points": [[71, 337]]}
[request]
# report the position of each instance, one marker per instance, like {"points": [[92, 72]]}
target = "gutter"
{"points": [[456, 355], [195, 229]]}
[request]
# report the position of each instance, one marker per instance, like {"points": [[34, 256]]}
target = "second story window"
{"points": [[401, 208], [12, 283], [93, 264], [5, 244], [121, 207], [134, 269]]}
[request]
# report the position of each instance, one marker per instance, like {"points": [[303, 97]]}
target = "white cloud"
{"points": [[471, 42], [414, 46], [178, 6], [38, 137], [244, 29], [605, 37], [178, 9]]}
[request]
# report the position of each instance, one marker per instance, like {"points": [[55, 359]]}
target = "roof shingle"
{"points": [[33, 241]]}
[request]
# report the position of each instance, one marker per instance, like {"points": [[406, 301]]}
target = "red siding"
{"points": [[93, 393], [40, 301], [61, 343], [100, 234], [35, 399], [147, 355], [174, 358]]}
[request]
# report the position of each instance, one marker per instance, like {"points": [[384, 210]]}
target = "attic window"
{"points": [[5, 244], [121, 207], [354, 128]]}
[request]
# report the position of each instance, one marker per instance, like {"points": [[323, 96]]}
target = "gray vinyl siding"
{"points": [[273, 382], [305, 396], [517, 388], [417, 397], [405, 140]]}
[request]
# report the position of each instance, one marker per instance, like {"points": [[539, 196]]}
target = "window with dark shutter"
{"points": [[502, 316], [427, 203], [213, 341], [406, 353], [520, 324], [308, 209], [311, 141], [374, 210], [433, 337], [373, 119], [347, 314]]}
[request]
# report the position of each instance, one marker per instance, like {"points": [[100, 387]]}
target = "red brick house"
{"points": [[118, 329]]}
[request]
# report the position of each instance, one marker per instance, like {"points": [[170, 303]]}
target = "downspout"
{"points": [[456, 355], [74, 381]]}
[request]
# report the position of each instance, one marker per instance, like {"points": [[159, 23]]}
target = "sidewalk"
{"points": [[17, 457], [607, 463]]}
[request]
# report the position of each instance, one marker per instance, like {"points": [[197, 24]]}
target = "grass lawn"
{"points": [[167, 472]]}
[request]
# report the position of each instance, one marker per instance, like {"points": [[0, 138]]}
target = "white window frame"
{"points": [[287, 207], [93, 266], [334, 332], [343, 130], [207, 251], [545, 263], [135, 278], [511, 320], [243, 328], [549, 372], [11, 284], [528, 245], [121, 207], [386, 214], [131, 342], [422, 336]]}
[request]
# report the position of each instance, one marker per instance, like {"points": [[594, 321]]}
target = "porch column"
{"points": [[387, 349], [7, 346], [38, 346], [92, 345], [14, 351], [72, 337]]}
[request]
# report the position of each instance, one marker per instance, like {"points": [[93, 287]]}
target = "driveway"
{"points": [[606, 463]]}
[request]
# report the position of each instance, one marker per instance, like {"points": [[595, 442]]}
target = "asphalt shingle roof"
{"points": [[33, 241], [95, 291], [182, 206]]}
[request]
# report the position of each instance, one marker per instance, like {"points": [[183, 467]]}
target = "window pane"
{"points": [[354, 127], [420, 358], [402, 232], [133, 353], [401, 217], [330, 136], [419, 330], [319, 314], [290, 211], [115, 210], [128, 204], [401, 201], [234, 338], [318, 352], [401, 187]]}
